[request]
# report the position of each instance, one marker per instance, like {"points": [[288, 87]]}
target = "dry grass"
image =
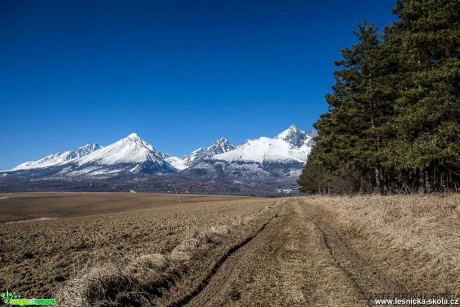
{"points": [[414, 240]]}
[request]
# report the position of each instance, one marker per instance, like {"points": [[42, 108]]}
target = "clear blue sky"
{"points": [[179, 73]]}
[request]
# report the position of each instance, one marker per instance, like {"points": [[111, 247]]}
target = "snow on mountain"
{"points": [[291, 145], [281, 156], [131, 149], [259, 159], [195, 156], [220, 146], [176, 162], [128, 154], [296, 137], [58, 158]]}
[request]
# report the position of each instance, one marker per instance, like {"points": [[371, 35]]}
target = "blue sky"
{"points": [[179, 73]]}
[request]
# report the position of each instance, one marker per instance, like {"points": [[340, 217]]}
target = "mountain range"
{"points": [[261, 159]]}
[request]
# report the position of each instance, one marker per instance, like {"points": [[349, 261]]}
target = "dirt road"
{"points": [[295, 259]]}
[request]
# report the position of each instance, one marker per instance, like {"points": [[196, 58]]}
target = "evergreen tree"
{"points": [[426, 149], [393, 122]]}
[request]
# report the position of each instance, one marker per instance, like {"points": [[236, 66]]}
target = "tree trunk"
{"points": [[427, 180], [378, 182], [421, 179], [442, 176]]}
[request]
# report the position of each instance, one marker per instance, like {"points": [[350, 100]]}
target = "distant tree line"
{"points": [[393, 123]]}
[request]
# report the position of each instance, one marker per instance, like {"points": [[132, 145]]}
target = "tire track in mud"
{"points": [[339, 264], [366, 280], [224, 259]]}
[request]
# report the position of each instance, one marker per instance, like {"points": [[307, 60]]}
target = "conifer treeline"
{"points": [[393, 123]]}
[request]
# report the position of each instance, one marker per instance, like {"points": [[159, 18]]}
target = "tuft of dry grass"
{"points": [[414, 240], [98, 283]]}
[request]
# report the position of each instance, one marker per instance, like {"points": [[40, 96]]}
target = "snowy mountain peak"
{"points": [[294, 136], [222, 140], [133, 135], [133, 140], [131, 149], [220, 146], [130, 154], [292, 130]]}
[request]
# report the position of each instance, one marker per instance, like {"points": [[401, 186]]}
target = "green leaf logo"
{"points": [[7, 296]]}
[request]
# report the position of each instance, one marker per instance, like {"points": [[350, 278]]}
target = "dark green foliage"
{"points": [[393, 123]]}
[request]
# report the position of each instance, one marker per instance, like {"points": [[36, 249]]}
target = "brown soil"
{"points": [[27, 206]]}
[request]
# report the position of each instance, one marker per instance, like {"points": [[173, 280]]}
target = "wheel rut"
{"points": [[365, 278], [220, 273]]}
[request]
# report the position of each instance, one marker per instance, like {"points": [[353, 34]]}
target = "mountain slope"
{"points": [[222, 145], [58, 158]]}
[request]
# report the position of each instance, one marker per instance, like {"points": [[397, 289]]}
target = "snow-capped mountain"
{"points": [[220, 146], [130, 154], [281, 156], [58, 158], [296, 137], [291, 145]]}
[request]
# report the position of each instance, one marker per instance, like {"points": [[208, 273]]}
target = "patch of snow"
{"points": [[176, 162]]}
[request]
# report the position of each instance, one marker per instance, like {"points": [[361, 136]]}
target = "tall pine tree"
{"points": [[426, 149], [393, 122]]}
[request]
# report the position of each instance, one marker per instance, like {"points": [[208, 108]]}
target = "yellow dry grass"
{"points": [[414, 240]]}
